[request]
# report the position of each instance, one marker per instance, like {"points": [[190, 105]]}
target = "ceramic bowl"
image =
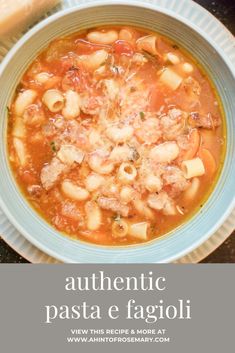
{"points": [[222, 200]]}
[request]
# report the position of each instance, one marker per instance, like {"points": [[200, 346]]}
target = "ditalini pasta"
{"points": [[193, 167], [53, 100], [115, 135]]}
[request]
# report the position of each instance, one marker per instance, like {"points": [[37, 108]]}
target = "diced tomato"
{"points": [[121, 47], [62, 65], [157, 99]]}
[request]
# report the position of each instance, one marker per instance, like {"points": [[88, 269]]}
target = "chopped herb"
{"points": [[53, 146], [8, 111], [174, 46], [201, 206], [142, 115]]}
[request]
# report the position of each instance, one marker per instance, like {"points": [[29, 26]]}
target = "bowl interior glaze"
{"points": [[186, 237]]}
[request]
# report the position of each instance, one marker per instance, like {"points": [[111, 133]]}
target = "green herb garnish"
{"points": [[142, 115]]}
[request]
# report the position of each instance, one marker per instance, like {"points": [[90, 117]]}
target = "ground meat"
{"points": [[183, 142], [162, 202], [114, 205], [173, 123], [206, 121], [51, 172], [70, 210], [158, 201], [35, 190], [174, 177]]}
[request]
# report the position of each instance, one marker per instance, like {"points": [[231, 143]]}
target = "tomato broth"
{"points": [[115, 135]]}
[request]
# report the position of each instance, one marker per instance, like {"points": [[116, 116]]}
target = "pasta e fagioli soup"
{"points": [[115, 135]]}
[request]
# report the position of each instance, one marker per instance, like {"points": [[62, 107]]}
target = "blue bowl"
{"points": [[222, 200]]}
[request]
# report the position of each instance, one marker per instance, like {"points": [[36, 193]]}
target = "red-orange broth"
{"points": [[115, 135]]}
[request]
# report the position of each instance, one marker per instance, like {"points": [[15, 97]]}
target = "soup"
{"points": [[115, 135]]}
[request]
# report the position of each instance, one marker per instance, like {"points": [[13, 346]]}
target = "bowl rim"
{"points": [[100, 3]]}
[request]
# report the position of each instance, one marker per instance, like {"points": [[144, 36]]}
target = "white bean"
{"points": [[153, 183], [68, 154], [94, 215], [19, 128], [74, 191], [120, 154], [126, 194], [98, 162], [187, 68], [98, 37], [72, 105], [94, 60], [120, 134], [143, 209], [42, 77], [172, 58], [162, 202], [94, 181], [165, 152], [127, 34], [23, 100], [20, 151]]}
